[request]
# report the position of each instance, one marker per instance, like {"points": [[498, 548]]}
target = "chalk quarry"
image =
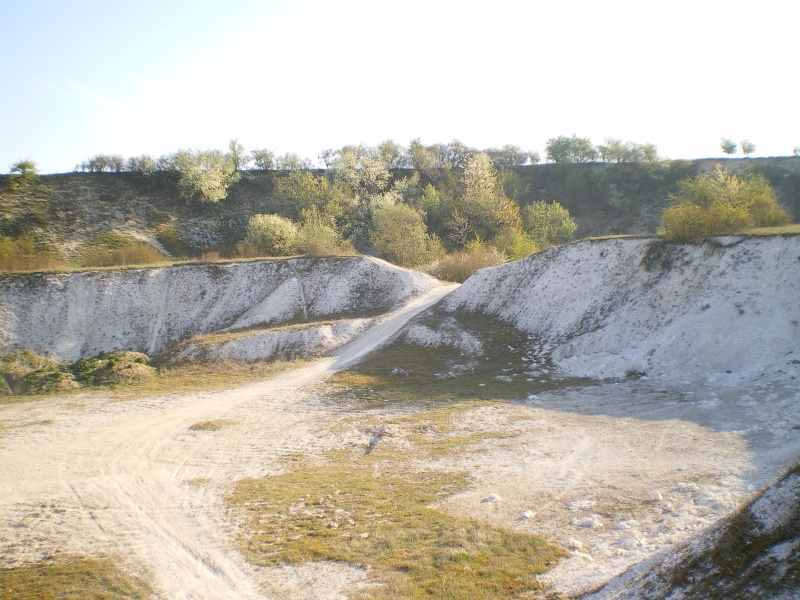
{"points": [[694, 349]]}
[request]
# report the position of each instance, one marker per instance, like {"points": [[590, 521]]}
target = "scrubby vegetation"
{"points": [[26, 373], [721, 203], [125, 373], [417, 205], [72, 578]]}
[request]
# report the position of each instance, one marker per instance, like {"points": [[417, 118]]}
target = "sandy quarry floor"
{"points": [[615, 471]]}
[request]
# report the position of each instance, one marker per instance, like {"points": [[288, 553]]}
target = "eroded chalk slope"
{"points": [[76, 315], [726, 306]]}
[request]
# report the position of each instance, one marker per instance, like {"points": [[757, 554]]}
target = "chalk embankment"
{"points": [[76, 315], [724, 307]]}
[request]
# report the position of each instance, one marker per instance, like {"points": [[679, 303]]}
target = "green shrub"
{"points": [[113, 368], [204, 175], [516, 244], [272, 235], [720, 203], [548, 223], [400, 236]]}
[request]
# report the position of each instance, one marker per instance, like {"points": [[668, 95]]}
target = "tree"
{"points": [[263, 159], [291, 162], [570, 150], [237, 156], [747, 147], [301, 190], [796, 151], [22, 173], [548, 224], [25, 171], [399, 235], [392, 154], [272, 235], [615, 150], [422, 159], [203, 175], [728, 146], [140, 164], [508, 156], [720, 203], [364, 170], [483, 211]]}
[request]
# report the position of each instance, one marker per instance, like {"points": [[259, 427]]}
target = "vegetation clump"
{"points": [[213, 425], [721, 203], [114, 368], [350, 511], [458, 266], [23, 373], [72, 579], [111, 248]]}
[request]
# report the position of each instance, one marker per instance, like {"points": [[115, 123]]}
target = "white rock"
{"points": [[492, 498], [573, 544], [656, 496], [581, 504], [528, 514]]}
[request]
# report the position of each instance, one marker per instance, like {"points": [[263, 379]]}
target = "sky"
{"points": [[84, 77]]}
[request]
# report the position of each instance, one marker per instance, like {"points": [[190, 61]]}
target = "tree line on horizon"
{"points": [[415, 205]]}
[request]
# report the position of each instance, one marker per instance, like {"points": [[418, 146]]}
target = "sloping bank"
{"points": [[76, 315], [607, 308]]}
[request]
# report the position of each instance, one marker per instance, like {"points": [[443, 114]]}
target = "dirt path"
{"points": [[83, 475]]}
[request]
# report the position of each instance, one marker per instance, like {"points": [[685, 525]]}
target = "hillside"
{"points": [[68, 212]]}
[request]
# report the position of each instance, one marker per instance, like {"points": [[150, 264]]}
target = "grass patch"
{"points": [[216, 339], [434, 432], [199, 377], [24, 373], [125, 375], [214, 425], [508, 367], [350, 512], [779, 230], [72, 579], [111, 248]]}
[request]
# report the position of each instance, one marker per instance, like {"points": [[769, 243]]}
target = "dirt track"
{"points": [[85, 475]]}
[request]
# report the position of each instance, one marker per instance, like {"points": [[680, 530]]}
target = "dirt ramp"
{"points": [[76, 315], [715, 308]]}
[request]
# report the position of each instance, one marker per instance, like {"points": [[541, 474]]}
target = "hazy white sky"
{"points": [[83, 77]]}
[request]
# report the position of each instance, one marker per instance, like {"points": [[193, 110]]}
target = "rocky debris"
{"points": [[753, 554]]}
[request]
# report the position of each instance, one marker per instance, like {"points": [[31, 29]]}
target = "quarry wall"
{"points": [[76, 315]]}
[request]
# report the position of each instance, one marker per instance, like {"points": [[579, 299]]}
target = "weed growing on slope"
{"points": [[71, 579]]}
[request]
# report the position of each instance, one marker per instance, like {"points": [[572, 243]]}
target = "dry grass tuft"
{"points": [[214, 425]]}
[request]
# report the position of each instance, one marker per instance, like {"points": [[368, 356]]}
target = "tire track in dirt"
{"points": [[117, 474]]}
